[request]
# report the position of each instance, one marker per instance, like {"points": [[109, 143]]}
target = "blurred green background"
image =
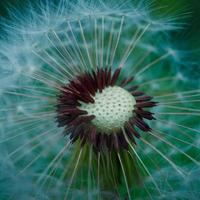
{"points": [[192, 33], [187, 39]]}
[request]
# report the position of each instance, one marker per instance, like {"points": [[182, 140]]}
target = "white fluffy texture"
{"points": [[45, 45], [112, 108], [27, 30]]}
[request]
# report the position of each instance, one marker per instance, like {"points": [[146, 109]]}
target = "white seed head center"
{"points": [[112, 108]]}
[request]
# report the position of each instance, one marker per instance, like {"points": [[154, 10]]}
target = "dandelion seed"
{"points": [[92, 106]]}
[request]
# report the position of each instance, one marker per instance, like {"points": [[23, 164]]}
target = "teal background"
{"points": [[190, 34]]}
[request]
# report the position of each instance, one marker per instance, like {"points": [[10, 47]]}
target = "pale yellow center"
{"points": [[112, 108]]}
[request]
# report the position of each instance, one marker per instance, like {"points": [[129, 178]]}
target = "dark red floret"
{"points": [[78, 123]]}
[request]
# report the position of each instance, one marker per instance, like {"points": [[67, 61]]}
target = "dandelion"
{"points": [[94, 104]]}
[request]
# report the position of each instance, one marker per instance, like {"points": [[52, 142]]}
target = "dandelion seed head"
{"points": [[95, 105], [78, 121], [112, 108]]}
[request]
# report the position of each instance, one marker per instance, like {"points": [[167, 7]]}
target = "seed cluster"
{"points": [[98, 109], [112, 108]]}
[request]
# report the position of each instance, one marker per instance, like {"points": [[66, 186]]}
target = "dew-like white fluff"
{"points": [[112, 108], [46, 44]]}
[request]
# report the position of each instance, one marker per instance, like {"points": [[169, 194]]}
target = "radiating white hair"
{"points": [[45, 44]]}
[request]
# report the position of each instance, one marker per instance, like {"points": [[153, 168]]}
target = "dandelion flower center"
{"points": [[112, 108], [100, 109]]}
